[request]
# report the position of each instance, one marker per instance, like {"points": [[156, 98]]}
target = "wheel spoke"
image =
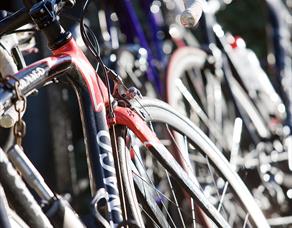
{"points": [[223, 195], [175, 199], [161, 196], [186, 181], [215, 185]]}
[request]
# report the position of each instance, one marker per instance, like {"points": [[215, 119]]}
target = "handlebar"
{"points": [[23, 17], [193, 12], [14, 21]]}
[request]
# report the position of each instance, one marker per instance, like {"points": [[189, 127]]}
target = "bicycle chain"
{"points": [[19, 129]]}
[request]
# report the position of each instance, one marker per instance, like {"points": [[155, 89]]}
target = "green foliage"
{"points": [[247, 18]]}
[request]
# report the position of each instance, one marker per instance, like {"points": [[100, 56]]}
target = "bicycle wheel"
{"points": [[214, 102], [162, 198], [199, 94], [20, 198]]}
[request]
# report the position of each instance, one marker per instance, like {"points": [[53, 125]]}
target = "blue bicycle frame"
{"points": [[132, 27]]}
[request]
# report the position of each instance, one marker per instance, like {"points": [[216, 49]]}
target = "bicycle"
{"points": [[117, 135], [279, 63], [143, 38], [220, 82]]}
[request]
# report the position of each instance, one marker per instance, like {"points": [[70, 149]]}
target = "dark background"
{"points": [[247, 18]]}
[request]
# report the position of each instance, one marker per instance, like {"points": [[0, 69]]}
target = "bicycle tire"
{"points": [[225, 95], [9, 218], [19, 196], [158, 111], [198, 92]]}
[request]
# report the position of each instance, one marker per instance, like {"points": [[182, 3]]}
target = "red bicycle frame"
{"points": [[68, 60]]}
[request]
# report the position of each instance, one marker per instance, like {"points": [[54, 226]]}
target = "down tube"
{"points": [[103, 181]]}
